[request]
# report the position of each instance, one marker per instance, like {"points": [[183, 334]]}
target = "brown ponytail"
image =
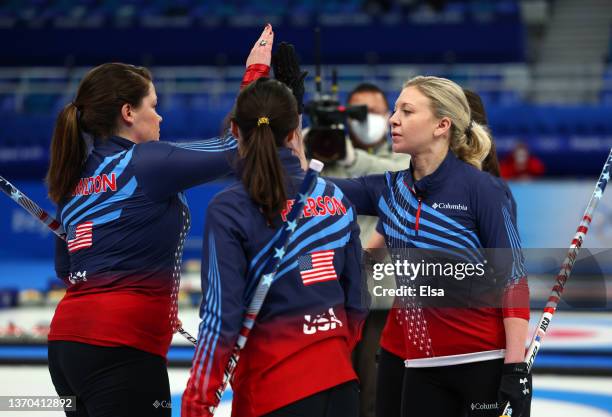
{"points": [[96, 111], [479, 115], [266, 113], [68, 152]]}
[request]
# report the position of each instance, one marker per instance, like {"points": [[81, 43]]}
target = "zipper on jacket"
{"points": [[418, 216]]}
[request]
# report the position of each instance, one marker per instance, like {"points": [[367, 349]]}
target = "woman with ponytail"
{"points": [[297, 360], [119, 195], [465, 360]]}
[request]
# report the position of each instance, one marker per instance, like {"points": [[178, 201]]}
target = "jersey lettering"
{"points": [[96, 185], [320, 206]]}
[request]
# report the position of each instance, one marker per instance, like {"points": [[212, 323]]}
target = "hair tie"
{"points": [[78, 111], [263, 121], [468, 129]]}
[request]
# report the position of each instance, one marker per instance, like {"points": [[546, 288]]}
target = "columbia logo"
{"points": [[449, 206], [156, 404], [483, 406]]}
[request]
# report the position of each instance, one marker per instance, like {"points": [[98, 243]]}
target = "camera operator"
{"points": [[367, 150]]}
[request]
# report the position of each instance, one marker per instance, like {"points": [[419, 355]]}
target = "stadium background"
{"points": [[543, 68]]}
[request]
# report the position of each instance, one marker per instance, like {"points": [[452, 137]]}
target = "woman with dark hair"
{"points": [[121, 201], [446, 203], [490, 164], [297, 360]]}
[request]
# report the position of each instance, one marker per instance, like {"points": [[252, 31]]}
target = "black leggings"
{"points": [[458, 390], [110, 381], [389, 383], [339, 401]]}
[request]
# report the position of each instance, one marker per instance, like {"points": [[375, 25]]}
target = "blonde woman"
{"points": [[459, 361]]}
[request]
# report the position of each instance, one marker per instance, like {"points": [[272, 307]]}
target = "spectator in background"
{"points": [[520, 164]]}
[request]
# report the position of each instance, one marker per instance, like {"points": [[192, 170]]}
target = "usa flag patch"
{"points": [[317, 267], [80, 237]]}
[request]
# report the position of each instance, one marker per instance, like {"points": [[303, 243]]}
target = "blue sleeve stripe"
{"points": [[109, 217], [118, 170], [406, 193], [211, 319], [208, 302], [337, 226], [342, 223], [412, 220], [206, 316], [518, 268], [320, 187], [210, 141], [507, 225], [210, 149], [215, 276], [458, 254], [394, 234], [384, 207], [437, 238], [511, 229], [430, 210], [390, 232], [123, 194], [183, 197], [101, 167], [410, 226], [425, 222], [265, 249], [317, 192], [210, 145]]}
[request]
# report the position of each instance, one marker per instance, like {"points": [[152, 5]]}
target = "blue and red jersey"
{"points": [[311, 319], [126, 221], [457, 209]]}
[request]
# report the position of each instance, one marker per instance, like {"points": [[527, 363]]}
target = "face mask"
{"points": [[371, 130]]}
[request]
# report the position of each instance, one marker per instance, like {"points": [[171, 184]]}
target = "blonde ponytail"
{"points": [[473, 146]]}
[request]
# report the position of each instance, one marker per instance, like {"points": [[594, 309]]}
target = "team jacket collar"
{"points": [[290, 162], [113, 142], [434, 180]]}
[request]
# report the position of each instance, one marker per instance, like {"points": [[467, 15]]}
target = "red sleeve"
{"points": [[254, 72], [516, 300]]}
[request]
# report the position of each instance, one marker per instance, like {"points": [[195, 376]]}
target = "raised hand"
{"points": [[287, 70], [262, 50]]}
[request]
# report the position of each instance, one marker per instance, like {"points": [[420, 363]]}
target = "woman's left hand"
{"points": [[262, 50]]}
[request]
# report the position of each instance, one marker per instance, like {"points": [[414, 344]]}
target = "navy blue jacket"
{"points": [[456, 210], [127, 220], [312, 315]]}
